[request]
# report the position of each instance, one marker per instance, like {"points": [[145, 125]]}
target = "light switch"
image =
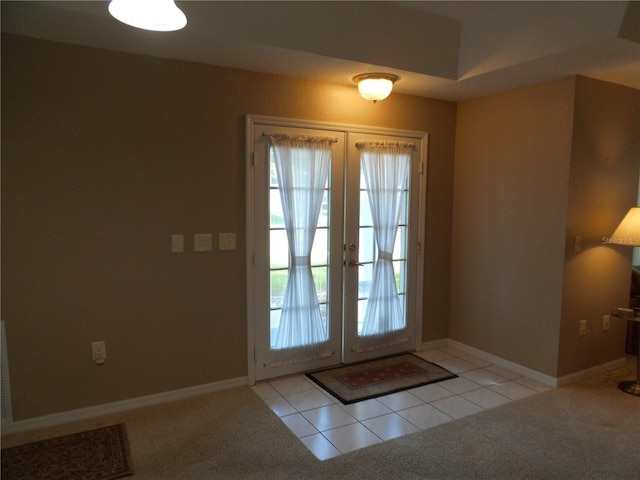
{"points": [[577, 244], [202, 242], [177, 243], [227, 241]]}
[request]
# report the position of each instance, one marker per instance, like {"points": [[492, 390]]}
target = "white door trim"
{"points": [[250, 122]]}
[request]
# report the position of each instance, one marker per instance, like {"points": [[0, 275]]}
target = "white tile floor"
{"points": [[329, 428]]}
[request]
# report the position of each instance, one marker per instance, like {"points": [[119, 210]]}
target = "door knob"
{"points": [[353, 263], [352, 247]]}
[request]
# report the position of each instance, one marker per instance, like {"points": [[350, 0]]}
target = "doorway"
{"points": [[335, 227]]}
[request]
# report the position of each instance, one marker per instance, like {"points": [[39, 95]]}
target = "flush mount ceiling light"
{"points": [[156, 15], [375, 86]]}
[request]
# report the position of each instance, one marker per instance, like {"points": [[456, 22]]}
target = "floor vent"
{"points": [[5, 390]]}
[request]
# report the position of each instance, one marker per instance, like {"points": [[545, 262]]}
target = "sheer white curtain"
{"points": [[385, 166], [302, 165]]}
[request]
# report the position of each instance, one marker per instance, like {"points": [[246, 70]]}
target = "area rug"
{"points": [[361, 381], [100, 454]]}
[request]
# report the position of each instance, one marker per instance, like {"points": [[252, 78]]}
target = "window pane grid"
{"points": [[368, 250], [280, 257]]}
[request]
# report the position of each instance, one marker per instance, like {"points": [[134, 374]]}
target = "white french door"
{"points": [[369, 327], [360, 278]]}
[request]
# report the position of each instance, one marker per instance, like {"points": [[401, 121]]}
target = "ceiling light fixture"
{"points": [[156, 15], [375, 86]]}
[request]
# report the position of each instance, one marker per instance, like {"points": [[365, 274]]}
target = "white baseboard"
{"points": [[590, 372], [120, 406], [184, 393], [509, 365], [525, 371]]}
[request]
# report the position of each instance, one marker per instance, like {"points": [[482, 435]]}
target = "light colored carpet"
{"points": [[588, 430]]}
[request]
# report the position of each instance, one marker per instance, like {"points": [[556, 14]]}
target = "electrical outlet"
{"points": [[605, 323], [583, 328], [99, 352], [227, 241]]}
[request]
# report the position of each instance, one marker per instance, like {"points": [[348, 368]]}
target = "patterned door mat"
{"points": [[361, 381], [100, 454]]}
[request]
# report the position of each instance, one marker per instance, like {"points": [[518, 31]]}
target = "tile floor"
{"points": [[329, 428]]}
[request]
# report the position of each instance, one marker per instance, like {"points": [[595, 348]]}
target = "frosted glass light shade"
{"points": [[156, 15], [628, 232], [375, 86]]}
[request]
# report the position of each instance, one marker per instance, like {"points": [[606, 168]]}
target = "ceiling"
{"points": [[451, 50]]}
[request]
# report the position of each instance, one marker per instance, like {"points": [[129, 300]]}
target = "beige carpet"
{"points": [[588, 430]]}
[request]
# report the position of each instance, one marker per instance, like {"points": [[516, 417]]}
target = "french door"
{"points": [[335, 228]]}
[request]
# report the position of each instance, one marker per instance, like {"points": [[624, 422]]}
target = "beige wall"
{"points": [[104, 156], [535, 167], [605, 162], [509, 211]]}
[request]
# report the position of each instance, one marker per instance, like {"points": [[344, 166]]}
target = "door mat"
{"points": [[100, 454], [361, 381]]}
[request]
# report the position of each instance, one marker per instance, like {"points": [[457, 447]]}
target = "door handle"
{"points": [[352, 247], [353, 263]]}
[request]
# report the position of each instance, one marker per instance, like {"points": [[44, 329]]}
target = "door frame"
{"points": [[250, 122]]}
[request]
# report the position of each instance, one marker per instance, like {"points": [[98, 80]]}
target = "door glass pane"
{"points": [[323, 220], [277, 221], [278, 283], [274, 325], [365, 209], [279, 254], [320, 249], [399, 269], [400, 247], [320, 277], [365, 276], [362, 307], [404, 212], [368, 251], [279, 250], [325, 319]]}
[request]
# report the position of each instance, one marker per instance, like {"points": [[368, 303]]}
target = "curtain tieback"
{"points": [[301, 261], [382, 255]]}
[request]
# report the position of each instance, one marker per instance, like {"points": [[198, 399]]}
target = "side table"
{"points": [[630, 386]]}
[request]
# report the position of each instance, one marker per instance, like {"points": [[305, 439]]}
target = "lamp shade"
{"points": [[375, 86], [156, 15], [628, 232]]}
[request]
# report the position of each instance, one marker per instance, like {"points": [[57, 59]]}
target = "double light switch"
{"points": [[202, 242]]}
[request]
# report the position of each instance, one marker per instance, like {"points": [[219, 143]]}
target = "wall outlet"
{"points": [[227, 241], [605, 323], [583, 328], [99, 352]]}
